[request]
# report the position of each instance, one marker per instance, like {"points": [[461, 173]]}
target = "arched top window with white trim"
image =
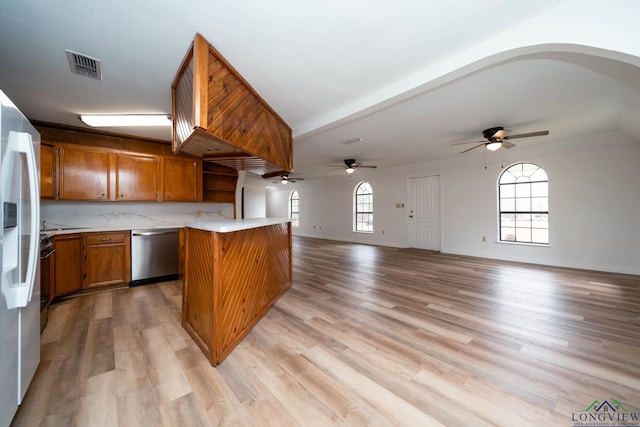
{"points": [[294, 208], [363, 208], [523, 204]]}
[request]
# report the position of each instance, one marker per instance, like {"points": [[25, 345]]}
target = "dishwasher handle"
{"points": [[153, 233]]}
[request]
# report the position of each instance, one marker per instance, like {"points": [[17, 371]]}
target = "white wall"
{"points": [[594, 204], [254, 197]]}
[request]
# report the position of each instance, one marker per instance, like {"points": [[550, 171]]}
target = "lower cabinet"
{"points": [[67, 264], [107, 258], [88, 260]]}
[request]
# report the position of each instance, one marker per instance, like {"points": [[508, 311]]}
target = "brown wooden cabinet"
{"points": [[47, 156], [136, 177], [107, 258], [84, 173], [78, 172], [181, 179], [67, 264]]}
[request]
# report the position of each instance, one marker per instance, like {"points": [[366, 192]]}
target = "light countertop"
{"points": [[223, 226], [236, 225]]}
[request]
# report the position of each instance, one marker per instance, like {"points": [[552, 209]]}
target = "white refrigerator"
{"points": [[19, 250]]}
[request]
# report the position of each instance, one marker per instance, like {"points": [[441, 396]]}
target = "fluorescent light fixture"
{"points": [[110, 120], [493, 146]]}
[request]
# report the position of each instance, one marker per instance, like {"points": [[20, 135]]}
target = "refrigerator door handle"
{"points": [[18, 295]]}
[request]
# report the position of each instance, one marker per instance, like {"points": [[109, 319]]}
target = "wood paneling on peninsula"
{"points": [[231, 280], [218, 115]]}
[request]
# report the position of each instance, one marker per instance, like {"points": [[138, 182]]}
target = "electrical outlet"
{"points": [[198, 213], [484, 238], [115, 215]]}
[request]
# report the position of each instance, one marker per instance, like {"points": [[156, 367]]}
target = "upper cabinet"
{"points": [[136, 177], [182, 179], [78, 172], [47, 156], [218, 116], [84, 173]]}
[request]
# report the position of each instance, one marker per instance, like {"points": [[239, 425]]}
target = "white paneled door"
{"points": [[424, 212]]}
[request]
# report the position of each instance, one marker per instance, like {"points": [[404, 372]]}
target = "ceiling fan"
{"points": [[350, 166], [496, 138], [285, 179]]}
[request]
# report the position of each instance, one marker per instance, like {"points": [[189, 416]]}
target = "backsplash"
{"points": [[63, 214]]}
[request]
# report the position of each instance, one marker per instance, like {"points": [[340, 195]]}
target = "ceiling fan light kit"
{"points": [[350, 166], [496, 138], [494, 145], [286, 179]]}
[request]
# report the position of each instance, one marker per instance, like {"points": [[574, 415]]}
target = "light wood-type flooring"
{"points": [[366, 336]]}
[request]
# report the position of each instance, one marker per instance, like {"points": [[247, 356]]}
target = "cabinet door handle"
{"points": [[106, 239]]}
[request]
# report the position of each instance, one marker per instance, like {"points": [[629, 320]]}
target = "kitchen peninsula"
{"points": [[234, 272]]}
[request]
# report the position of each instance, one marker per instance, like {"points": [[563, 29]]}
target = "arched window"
{"points": [[363, 208], [523, 200], [294, 208]]}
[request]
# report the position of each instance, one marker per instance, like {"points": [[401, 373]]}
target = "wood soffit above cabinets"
{"points": [[218, 116], [58, 133]]}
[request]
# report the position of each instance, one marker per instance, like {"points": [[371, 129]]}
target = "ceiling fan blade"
{"points": [[469, 142], [501, 133], [366, 166], [336, 166], [296, 179], [275, 173], [469, 149], [527, 135], [507, 144]]}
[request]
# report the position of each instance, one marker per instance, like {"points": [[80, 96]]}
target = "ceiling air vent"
{"points": [[84, 65]]}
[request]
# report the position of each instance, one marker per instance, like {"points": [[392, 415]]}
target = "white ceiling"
{"points": [[409, 77]]}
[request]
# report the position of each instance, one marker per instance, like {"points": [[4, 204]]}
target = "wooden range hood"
{"points": [[218, 116]]}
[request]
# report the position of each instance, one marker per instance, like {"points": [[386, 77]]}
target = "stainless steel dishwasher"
{"points": [[154, 255]]}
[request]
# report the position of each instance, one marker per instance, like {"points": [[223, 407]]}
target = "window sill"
{"points": [[362, 232], [541, 245]]}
